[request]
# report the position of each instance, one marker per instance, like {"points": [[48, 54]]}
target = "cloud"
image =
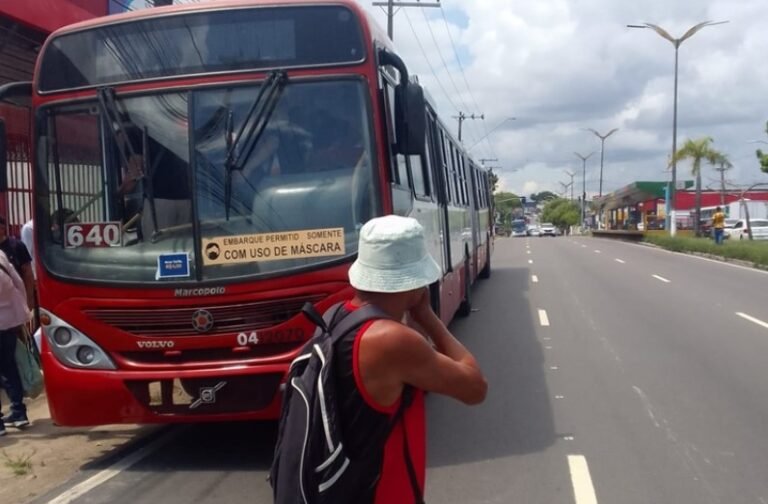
{"points": [[564, 65]]}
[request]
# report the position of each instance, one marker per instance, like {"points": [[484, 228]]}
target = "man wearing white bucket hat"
{"points": [[392, 272]]}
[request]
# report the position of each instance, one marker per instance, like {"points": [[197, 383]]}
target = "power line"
{"points": [[429, 63], [464, 76]]}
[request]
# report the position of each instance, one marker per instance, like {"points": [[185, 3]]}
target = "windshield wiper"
{"points": [[251, 130], [111, 113]]}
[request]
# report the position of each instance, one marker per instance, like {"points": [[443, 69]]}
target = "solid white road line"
{"points": [[657, 277], [543, 318], [103, 476], [619, 261], [534, 279], [752, 319], [583, 489]]}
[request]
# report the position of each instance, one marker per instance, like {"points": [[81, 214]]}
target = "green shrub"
{"points": [[755, 252]]}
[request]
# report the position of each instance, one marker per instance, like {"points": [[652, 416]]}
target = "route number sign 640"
{"points": [[93, 235]]}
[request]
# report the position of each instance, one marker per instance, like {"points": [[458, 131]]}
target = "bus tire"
{"points": [[486, 271], [465, 308]]}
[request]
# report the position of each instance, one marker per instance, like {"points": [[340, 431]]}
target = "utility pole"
{"points": [[463, 117], [723, 168], [391, 4]]}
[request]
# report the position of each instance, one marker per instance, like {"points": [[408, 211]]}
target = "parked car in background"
{"points": [[739, 229], [548, 229]]}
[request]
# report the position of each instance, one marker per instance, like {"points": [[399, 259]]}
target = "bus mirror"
{"points": [[410, 119], [3, 158]]}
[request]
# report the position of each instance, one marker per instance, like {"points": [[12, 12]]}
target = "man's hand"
{"points": [[421, 311]]}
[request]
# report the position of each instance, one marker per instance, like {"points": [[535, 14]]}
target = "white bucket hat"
{"points": [[392, 257]]}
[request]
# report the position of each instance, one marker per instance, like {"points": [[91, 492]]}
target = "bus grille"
{"points": [[165, 322]]}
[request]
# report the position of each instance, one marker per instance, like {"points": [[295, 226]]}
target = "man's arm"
{"points": [[392, 354]]}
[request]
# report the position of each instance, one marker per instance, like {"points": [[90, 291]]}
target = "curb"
{"points": [[713, 257]]}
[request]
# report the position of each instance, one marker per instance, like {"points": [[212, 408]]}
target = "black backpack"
{"points": [[311, 464]]}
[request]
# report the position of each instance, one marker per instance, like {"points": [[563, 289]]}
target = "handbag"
{"points": [[28, 364]]}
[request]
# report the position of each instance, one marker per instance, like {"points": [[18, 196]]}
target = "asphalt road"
{"points": [[618, 374]]}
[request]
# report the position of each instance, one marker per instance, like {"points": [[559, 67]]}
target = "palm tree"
{"points": [[697, 151]]}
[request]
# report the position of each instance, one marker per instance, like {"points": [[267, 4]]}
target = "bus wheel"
{"points": [[465, 308], [486, 271]]}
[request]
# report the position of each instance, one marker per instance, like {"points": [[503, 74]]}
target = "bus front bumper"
{"points": [[79, 397]]}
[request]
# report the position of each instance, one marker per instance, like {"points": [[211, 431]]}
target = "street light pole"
{"points": [[602, 154], [583, 183], [676, 42]]}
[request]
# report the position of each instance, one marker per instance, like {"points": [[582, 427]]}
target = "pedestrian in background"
{"points": [[718, 225], [18, 255], [14, 312]]}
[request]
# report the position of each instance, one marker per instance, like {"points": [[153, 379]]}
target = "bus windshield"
{"points": [[139, 195]]}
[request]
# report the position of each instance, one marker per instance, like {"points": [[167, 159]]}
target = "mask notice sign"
{"points": [[273, 246], [172, 266]]}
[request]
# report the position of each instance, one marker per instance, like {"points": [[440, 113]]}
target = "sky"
{"points": [[561, 66]]}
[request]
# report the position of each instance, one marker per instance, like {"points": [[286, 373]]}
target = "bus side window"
{"points": [[419, 176]]}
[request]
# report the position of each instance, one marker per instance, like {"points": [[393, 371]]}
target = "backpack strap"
{"points": [[343, 326]]}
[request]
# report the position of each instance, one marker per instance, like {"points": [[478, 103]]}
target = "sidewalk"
{"points": [[41, 457]]}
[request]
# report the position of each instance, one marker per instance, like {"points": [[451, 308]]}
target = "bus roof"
{"points": [[202, 6]]}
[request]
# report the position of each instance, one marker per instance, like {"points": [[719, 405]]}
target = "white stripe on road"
{"points": [[619, 261], [597, 251], [534, 279], [752, 319], [103, 476], [584, 246], [543, 319], [657, 277], [530, 261], [527, 251], [583, 489]]}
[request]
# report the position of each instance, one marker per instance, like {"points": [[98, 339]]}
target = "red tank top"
{"points": [[394, 486]]}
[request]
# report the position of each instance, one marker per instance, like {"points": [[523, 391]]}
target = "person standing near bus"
{"points": [[392, 272], [18, 255], [718, 224], [13, 314]]}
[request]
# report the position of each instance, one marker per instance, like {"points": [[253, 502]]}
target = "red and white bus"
{"points": [[201, 172]]}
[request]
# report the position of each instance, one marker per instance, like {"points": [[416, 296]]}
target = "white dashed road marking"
{"points": [[619, 261], [657, 277], [543, 318], [597, 251], [534, 279], [583, 489], [752, 319], [530, 261]]}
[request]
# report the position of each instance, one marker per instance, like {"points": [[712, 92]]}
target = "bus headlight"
{"points": [[62, 336], [73, 348]]}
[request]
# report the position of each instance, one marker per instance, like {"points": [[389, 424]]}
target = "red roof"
{"points": [[686, 200]]}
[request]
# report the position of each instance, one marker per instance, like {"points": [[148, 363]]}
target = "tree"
{"points": [[543, 196], [763, 156], [561, 212], [505, 203], [494, 180], [697, 151]]}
